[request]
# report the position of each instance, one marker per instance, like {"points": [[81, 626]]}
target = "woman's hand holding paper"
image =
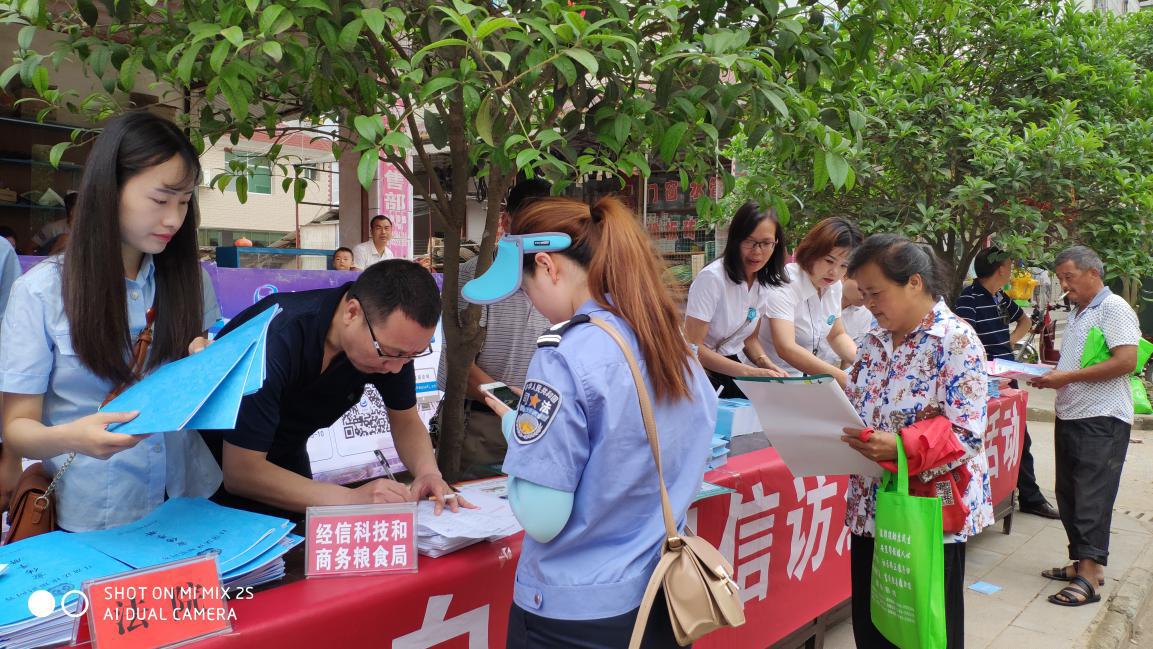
{"points": [[198, 344], [90, 434], [875, 445]]}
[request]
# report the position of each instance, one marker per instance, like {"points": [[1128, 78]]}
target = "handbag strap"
{"points": [[673, 537], [139, 356], [902, 470]]}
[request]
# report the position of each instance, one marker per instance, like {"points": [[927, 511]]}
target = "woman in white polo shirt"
{"points": [[803, 315], [726, 300]]}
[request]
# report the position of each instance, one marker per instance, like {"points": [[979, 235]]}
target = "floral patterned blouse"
{"points": [[939, 369]]}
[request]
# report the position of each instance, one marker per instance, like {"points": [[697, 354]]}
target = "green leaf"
{"points": [[566, 69], [504, 57], [299, 186], [233, 34], [526, 157], [435, 85], [671, 140], [584, 57], [856, 120], [490, 25], [9, 74], [757, 135], [241, 186], [369, 127], [57, 152], [820, 171], [484, 121], [40, 80], [437, 132], [366, 168], [88, 12], [782, 209], [777, 102], [444, 42], [187, 61], [273, 50], [252, 6], [350, 34], [25, 36], [268, 18], [219, 53], [838, 169], [374, 19]]}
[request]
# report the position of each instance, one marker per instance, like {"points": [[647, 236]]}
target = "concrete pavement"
{"points": [[1019, 616]]}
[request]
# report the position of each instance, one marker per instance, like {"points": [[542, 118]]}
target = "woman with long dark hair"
{"points": [[727, 299], [73, 322], [582, 477]]}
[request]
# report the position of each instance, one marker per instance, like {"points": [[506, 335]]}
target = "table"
{"points": [[785, 536]]}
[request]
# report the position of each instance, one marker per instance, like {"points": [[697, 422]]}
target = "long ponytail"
{"points": [[621, 263]]}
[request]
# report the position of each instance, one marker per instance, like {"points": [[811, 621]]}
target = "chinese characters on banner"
{"points": [[158, 607], [361, 539], [1004, 437], [395, 202]]}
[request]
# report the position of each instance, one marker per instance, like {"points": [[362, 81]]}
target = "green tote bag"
{"points": [[908, 580]]}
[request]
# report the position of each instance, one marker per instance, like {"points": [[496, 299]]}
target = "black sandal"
{"points": [[1062, 574], [1079, 592]]}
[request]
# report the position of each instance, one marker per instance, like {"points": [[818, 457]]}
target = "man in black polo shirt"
{"points": [[322, 349], [984, 306]]}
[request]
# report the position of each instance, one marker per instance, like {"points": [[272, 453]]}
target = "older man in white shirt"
{"points": [[376, 248]]}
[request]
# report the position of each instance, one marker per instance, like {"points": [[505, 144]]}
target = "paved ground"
{"points": [[1018, 616]]}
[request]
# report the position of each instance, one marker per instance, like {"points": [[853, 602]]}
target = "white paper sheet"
{"points": [[804, 419]]}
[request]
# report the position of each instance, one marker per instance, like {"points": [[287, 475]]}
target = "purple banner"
{"points": [[240, 288]]}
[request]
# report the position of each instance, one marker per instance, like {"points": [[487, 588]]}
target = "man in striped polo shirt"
{"points": [[984, 306]]}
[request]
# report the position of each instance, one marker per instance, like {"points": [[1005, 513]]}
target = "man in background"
{"points": [[1094, 408], [376, 248], [990, 312], [511, 329]]}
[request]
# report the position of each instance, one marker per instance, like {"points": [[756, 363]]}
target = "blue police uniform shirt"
{"points": [[578, 429], [37, 357]]}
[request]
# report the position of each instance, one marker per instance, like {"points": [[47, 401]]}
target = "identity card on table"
{"points": [[804, 419]]}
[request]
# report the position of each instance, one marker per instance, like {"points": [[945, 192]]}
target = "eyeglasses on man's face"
{"points": [[376, 343], [764, 244]]}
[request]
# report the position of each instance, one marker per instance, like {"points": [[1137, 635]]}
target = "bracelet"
{"points": [[757, 359]]}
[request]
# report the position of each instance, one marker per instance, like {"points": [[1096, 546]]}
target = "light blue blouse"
{"points": [[37, 357], [578, 429]]}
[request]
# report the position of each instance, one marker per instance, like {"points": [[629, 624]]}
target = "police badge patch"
{"points": [[537, 409]]}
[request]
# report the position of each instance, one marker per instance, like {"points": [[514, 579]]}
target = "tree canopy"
{"points": [[559, 89], [1030, 124]]}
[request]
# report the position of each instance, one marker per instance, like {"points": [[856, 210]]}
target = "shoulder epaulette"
{"points": [[551, 338]]}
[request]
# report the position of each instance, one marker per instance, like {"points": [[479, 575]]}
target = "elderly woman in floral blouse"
{"points": [[921, 368]]}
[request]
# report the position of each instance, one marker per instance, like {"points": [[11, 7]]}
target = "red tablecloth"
{"points": [[785, 536]]}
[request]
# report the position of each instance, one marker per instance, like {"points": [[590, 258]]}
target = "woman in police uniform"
{"points": [[581, 474]]}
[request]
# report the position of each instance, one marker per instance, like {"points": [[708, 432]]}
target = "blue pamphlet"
{"points": [[984, 587], [182, 528], [56, 562], [203, 390]]}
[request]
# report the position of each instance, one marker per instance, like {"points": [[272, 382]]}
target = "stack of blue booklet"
{"points": [[203, 390], [249, 548], [248, 543], [56, 562]]}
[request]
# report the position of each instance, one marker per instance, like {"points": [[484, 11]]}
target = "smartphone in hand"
{"points": [[502, 393]]}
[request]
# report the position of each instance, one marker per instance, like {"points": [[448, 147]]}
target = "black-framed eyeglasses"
{"points": [[376, 343], [752, 244]]}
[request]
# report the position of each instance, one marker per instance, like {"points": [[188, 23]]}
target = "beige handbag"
{"points": [[699, 590]]}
